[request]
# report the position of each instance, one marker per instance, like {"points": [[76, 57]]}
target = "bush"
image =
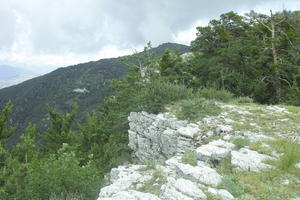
{"points": [[231, 184], [190, 158], [157, 94], [244, 100], [196, 108], [291, 155], [240, 142], [61, 177], [214, 94]]}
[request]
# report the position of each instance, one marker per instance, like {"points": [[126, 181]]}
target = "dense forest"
{"points": [[254, 56]]}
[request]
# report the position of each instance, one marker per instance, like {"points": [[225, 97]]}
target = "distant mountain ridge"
{"points": [[86, 84], [10, 75]]}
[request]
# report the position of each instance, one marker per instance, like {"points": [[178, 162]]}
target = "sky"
{"points": [[42, 35]]}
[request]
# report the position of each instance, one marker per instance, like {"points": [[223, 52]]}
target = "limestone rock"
{"points": [[189, 188], [201, 174], [122, 179], [130, 195], [221, 193], [160, 137], [248, 160]]}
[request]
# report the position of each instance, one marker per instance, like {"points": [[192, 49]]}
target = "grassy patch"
{"points": [[196, 108], [154, 184], [190, 158], [224, 167], [263, 185], [240, 142], [243, 100], [214, 94], [291, 155], [230, 183]]}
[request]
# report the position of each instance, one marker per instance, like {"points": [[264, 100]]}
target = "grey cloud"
{"points": [[78, 26]]}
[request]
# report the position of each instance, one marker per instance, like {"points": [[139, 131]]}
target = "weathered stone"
{"points": [[210, 152], [201, 174], [130, 195], [248, 160], [189, 188], [122, 179], [159, 137], [223, 194]]}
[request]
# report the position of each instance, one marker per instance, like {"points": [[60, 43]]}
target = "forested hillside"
{"points": [[85, 84]]}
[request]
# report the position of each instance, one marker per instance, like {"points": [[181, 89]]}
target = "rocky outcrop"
{"points": [[158, 137], [164, 138]]}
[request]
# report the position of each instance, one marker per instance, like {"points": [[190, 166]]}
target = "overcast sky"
{"points": [[40, 34]]}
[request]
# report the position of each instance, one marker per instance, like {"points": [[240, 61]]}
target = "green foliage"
{"points": [[62, 175], [231, 184], [246, 197], [26, 150], [240, 142], [196, 108], [60, 130], [157, 94], [190, 158], [291, 155], [236, 55], [244, 100], [4, 117], [217, 95]]}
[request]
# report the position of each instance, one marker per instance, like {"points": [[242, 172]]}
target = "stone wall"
{"points": [[157, 137]]}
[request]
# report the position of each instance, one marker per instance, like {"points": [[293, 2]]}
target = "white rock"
{"points": [[130, 195], [170, 193], [201, 174], [223, 194], [248, 160], [189, 131], [189, 188], [253, 137], [211, 152], [122, 179], [297, 165], [222, 143], [222, 129], [277, 109], [285, 182]]}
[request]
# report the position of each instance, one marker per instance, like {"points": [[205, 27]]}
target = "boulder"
{"points": [[221, 193], [248, 160]]}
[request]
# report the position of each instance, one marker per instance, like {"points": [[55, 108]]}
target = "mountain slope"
{"points": [[86, 84]]}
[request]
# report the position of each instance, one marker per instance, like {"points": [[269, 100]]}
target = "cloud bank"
{"points": [[62, 32]]}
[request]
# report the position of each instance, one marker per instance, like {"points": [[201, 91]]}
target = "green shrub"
{"points": [[214, 94], [240, 142], [190, 158], [157, 94], [61, 176], [196, 108], [231, 184], [244, 100], [291, 155]]}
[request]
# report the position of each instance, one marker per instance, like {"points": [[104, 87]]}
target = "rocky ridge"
{"points": [[179, 160]]}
